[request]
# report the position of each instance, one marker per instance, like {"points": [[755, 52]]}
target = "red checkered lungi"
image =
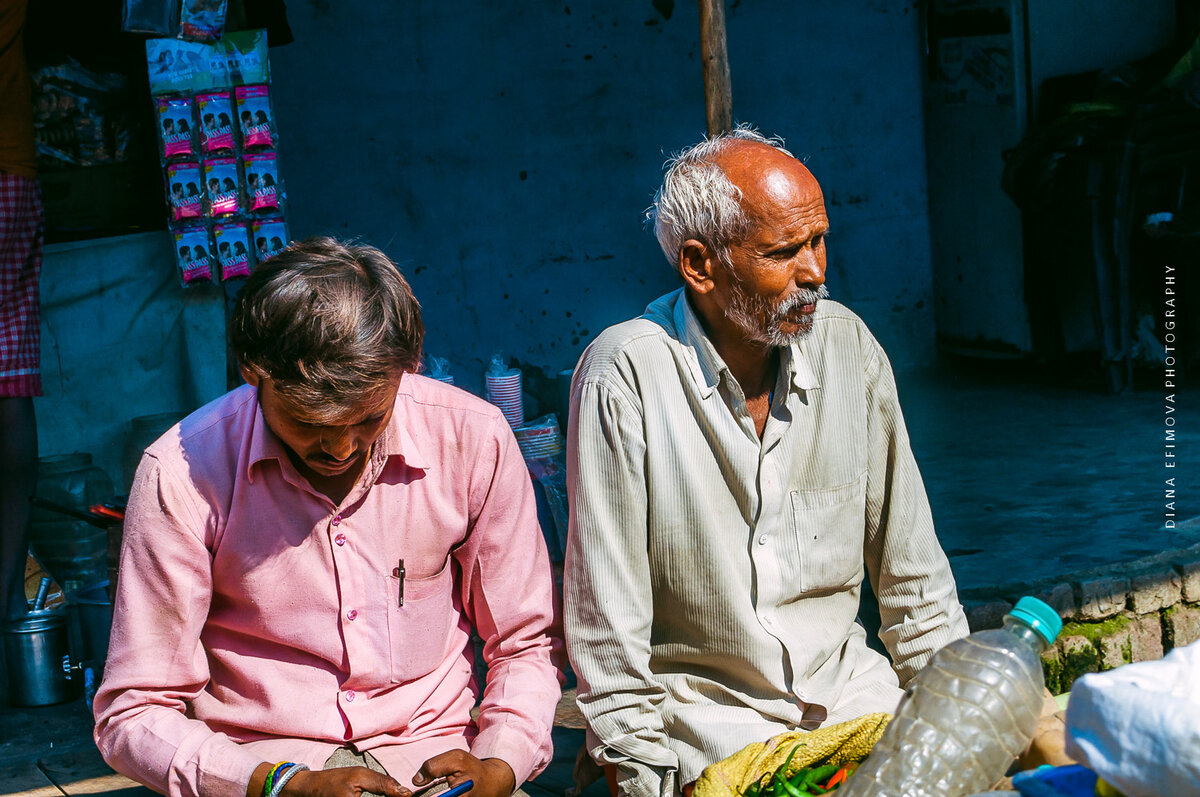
{"points": [[21, 228]]}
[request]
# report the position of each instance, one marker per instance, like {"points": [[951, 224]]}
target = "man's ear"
{"points": [[696, 265], [251, 376]]}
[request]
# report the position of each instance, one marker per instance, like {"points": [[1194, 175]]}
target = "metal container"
{"points": [[36, 649]]}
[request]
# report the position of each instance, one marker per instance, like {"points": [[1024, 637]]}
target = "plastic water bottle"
{"points": [[966, 715]]}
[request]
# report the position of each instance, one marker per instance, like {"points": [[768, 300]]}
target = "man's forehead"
{"points": [[337, 413], [770, 180]]}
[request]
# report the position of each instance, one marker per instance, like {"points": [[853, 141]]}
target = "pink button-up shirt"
{"points": [[257, 621]]}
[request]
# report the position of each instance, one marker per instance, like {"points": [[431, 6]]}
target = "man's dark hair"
{"points": [[329, 323]]}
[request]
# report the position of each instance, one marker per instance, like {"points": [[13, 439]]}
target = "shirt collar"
{"points": [[397, 440], [706, 364]]}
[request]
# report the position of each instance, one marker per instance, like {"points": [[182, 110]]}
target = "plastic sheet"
{"points": [[1138, 726], [438, 368]]}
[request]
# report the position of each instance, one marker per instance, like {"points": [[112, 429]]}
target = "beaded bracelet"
{"points": [[284, 776], [271, 774], [270, 779]]}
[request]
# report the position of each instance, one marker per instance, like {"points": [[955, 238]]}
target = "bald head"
{"points": [[770, 181], [714, 191]]}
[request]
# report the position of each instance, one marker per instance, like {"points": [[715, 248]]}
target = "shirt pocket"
{"points": [[829, 526], [418, 631]]}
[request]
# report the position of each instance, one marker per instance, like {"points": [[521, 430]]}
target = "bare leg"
{"points": [[18, 478]]}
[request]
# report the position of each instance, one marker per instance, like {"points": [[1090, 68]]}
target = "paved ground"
{"points": [[1026, 480]]}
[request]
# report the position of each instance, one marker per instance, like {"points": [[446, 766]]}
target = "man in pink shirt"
{"points": [[305, 559]]}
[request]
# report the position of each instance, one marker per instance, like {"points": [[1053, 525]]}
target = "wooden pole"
{"points": [[718, 96]]}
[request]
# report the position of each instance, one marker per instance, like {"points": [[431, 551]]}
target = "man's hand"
{"points": [[1048, 745], [344, 782], [493, 777]]}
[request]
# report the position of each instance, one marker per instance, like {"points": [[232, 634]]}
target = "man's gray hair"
{"points": [[696, 199]]}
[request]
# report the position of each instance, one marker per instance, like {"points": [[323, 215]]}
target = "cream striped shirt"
{"points": [[712, 579]]}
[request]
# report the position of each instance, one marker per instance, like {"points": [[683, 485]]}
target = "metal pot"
{"points": [[36, 649]]}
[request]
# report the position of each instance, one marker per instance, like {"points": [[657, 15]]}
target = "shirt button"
{"points": [[350, 615], [350, 695], [340, 539], [762, 540], [337, 520]]}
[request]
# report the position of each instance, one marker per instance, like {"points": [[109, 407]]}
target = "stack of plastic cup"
{"points": [[504, 390], [540, 438], [438, 368]]}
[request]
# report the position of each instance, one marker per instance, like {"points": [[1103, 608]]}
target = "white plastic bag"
{"points": [[1138, 726]]}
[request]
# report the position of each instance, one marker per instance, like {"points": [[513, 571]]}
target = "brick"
{"points": [[987, 615], [1189, 572], [1155, 588], [1115, 648], [1052, 670], [1181, 624], [1145, 637], [1078, 656], [1102, 597], [1060, 598]]}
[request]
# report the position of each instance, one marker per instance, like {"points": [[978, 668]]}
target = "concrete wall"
{"points": [[118, 344], [503, 153]]}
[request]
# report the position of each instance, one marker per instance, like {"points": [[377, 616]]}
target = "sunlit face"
{"points": [[777, 323], [775, 276], [320, 446]]}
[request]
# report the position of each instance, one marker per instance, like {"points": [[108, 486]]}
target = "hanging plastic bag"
{"points": [[156, 17], [193, 254], [202, 20], [215, 111], [263, 192], [255, 118], [270, 236], [176, 135], [221, 184], [233, 252], [183, 191]]}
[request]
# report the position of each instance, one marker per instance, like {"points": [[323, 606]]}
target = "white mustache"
{"points": [[802, 297]]}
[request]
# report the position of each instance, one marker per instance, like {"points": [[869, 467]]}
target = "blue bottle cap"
{"points": [[1039, 616]]}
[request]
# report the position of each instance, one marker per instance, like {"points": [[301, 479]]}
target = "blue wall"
{"points": [[503, 153]]}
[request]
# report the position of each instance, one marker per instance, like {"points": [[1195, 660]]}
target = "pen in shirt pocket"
{"points": [[398, 572]]}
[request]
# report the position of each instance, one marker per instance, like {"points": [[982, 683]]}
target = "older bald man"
{"points": [[737, 458]]}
